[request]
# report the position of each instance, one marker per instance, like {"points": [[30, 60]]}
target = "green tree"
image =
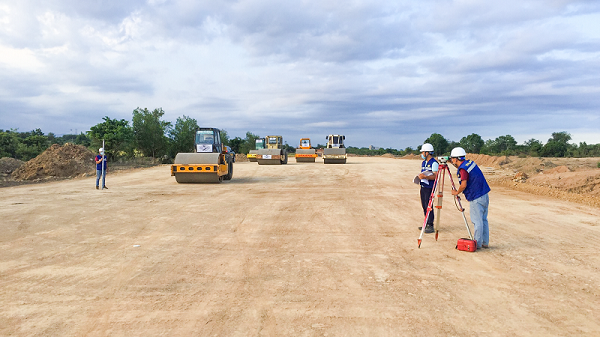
{"points": [[9, 143], [235, 144], [472, 143], [149, 132], [224, 137], [83, 139], [505, 145], [558, 145], [289, 148], [117, 136], [249, 143], [34, 143], [183, 135], [533, 147], [440, 144]]}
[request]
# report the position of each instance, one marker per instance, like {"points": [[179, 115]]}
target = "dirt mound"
{"points": [[483, 160], [387, 155], [558, 169], [58, 161], [8, 165], [240, 157], [411, 156]]}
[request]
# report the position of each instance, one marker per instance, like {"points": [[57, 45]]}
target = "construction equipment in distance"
{"points": [[210, 162], [260, 144], [335, 151], [305, 153], [273, 153]]}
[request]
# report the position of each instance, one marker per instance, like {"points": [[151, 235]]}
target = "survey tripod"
{"points": [[438, 186]]}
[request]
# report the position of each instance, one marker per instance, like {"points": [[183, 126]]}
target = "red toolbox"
{"points": [[466, 245]]}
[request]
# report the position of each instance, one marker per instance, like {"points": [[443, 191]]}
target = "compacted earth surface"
{"points": [[293, 250]]}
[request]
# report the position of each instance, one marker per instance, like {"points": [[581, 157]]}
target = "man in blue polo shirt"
{"points": [[475, 189], [100, 160], [429, 171]]}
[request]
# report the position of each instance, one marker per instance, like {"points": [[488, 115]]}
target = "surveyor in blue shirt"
{"points": [[429, 171], [100, 160], [475, 189]]}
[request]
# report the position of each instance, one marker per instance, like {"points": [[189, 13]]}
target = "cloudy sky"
{"points": [[384, 73]]}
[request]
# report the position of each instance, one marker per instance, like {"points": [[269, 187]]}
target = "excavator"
{"points": [[273, 153], [304, 153], [209, 163], [335, 151], [260, 144]]}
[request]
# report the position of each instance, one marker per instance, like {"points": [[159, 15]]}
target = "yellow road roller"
{"points": [[335, 151], [304, 153], [260, 144], [274, 153], [209, 163]]}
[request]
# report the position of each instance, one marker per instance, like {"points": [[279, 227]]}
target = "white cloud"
{"points": [[309, 66]]}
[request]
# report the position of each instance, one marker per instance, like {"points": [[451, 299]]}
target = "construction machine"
{"points": [[260, 144], [335, 151], [273, 153], [209, 163], [304, 153]]}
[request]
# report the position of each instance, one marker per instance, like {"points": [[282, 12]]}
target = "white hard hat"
{"points": [[101, 150], [458, 152], [427, 147]]}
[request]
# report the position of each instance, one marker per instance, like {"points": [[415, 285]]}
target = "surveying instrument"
{"points": [[438, 186]]}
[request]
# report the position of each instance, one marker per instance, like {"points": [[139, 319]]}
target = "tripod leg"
{"points": [[461, 209], [440, 196], [429, 209]]}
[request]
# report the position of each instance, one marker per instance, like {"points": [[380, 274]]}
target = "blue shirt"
{"points": [[477, 186], [99, 165], [430, 165]]}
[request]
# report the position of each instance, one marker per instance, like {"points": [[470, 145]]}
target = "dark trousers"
{"points": [[425, 195]]}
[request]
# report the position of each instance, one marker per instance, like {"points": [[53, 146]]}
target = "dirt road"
{"points": [[294, 250]]}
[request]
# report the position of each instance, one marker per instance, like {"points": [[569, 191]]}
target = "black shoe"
{"points": [[428, 229], [104, 187], [97, 187]]}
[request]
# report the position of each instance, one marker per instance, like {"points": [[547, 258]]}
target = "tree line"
{"points": [[150, 136], [556, 146]]}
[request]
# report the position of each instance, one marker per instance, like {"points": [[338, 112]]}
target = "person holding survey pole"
{"points": [[101, 168], [429, 172]]}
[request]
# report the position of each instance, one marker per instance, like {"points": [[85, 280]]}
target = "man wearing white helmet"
{"points": [[100, 161], [429, 171], [475, 188]]}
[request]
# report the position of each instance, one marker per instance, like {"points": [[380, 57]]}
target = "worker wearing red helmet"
{"points": [[475, 189]]}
